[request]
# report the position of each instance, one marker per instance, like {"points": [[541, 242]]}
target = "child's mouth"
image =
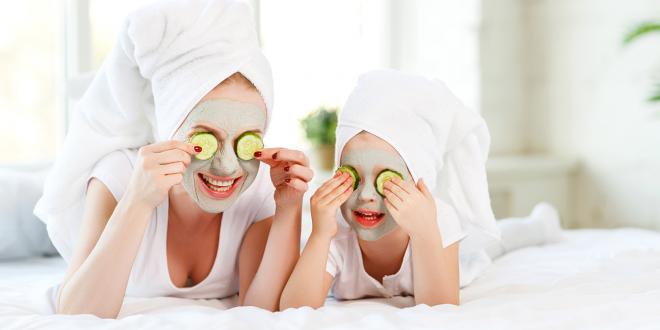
{"points": [[367, 218], [218, 187]]}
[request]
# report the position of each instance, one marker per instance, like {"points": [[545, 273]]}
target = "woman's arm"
{"points": [[303, 288], [112, 231], [435, 269], [98, 273], [268, 253]]}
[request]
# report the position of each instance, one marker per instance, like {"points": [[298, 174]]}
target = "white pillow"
{"points": [[22, 234]]}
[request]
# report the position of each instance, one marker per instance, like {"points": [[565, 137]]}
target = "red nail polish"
{"points": [[286, 168], [275, 156], [257, 154], [198, 149], [287, 180]]}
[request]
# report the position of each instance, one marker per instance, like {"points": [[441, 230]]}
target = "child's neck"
{"points": [[384, 255]]}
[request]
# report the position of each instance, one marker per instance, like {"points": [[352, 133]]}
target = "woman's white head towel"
{"points": [[168, 56], [439, 138]]}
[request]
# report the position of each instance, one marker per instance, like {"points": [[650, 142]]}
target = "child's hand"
{"points": [[412, 206], [326, 201]]}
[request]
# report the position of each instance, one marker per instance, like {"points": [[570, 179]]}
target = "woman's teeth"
{"points": [[217, 185]]}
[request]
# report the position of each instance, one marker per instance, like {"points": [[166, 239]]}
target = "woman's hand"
{"points": [[326, 201], [289, 172], [412, 206], [159, 166]]}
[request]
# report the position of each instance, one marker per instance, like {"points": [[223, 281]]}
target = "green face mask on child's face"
{"points": [[365, 209]]}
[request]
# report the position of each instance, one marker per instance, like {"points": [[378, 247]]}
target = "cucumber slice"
{"points": [[352, 172], [208, 142], [247, 144], [382, 177]]}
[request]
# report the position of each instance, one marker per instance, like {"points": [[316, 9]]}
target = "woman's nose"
{"points": [[225, 161]]}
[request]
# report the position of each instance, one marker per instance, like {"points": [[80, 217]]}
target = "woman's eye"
{"points": [[207, 142]]}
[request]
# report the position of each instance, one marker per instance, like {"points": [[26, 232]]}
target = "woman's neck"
{"points": [[185, 213]]}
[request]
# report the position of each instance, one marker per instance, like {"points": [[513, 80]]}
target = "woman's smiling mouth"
{"points": [[217, 187], [367, 218]]}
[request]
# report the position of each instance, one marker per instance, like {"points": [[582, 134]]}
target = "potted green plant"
{"points": [[319, 127], [640, 30]]}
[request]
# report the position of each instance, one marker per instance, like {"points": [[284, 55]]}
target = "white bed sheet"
{"points": [[593, 279]]}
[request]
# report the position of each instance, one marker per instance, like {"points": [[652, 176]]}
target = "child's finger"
{"points": [[391, 208], [343, 197], [421, 185], [396, 189], [392, 198], [331, 184], [405, 185], [331, 195]]}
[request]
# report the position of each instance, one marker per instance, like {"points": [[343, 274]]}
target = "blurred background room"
{"points": [[569, 88]]}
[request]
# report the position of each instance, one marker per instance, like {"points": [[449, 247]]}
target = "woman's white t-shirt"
{"points": [[150, 276]]}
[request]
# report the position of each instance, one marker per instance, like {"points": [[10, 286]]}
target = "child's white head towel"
{"points": [[439, 138], [168, 56]]}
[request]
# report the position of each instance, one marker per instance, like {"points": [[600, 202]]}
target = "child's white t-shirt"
{"points": [[351, 280], [150, 275]]}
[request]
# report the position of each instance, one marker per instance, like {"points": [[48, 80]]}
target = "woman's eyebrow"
{"points": [[218, 132]]}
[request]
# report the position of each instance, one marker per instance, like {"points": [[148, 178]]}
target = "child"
{"points": [[411, 185]]}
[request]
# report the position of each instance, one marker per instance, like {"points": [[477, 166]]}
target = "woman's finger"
{"points": [[296, 184], [170, 145], [302, 172], [172, 168], [172, 156], [270, 155], [266, 155]]}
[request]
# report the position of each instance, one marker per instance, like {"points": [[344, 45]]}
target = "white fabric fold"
{"points": [[168, 56], [440, 139]]}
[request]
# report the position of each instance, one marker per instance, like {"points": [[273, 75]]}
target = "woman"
{"points": [[182, 215]]}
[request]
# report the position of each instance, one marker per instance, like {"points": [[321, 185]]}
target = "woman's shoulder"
{"points": [[114, 170]]}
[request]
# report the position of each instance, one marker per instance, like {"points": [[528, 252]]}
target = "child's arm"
{"points": [[303, 287], [435, 269]]}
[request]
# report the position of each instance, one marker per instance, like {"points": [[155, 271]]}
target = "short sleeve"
{"points": [[449, 223], [334, 259], [114, 170]]}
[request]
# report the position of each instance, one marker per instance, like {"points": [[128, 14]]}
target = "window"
{"points": [[30, 80]]}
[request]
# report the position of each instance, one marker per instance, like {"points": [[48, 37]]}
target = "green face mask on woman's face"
{"points": [[215, 183]]}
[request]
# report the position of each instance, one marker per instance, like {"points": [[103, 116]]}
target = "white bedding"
{"points": [[592, 279]]}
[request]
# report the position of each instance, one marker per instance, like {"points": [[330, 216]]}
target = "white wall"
{"points": [[581, 94]]}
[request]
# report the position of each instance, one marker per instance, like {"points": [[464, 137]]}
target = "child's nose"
{"points": [[367, 193]]}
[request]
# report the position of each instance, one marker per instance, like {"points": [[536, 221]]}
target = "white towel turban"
{"points": [[439, 138], [168, 56]]}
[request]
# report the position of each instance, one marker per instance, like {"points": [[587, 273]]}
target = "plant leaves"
{"points": [[641, 30]]}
